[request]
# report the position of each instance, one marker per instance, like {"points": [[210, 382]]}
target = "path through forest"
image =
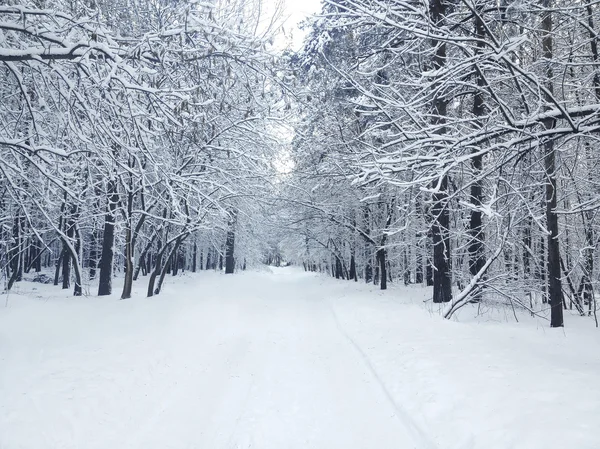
{"points": [[281, 359]]}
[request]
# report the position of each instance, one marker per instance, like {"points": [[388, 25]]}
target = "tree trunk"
{"points": [[353, 268], [195, 257], [382, 268], [442, 279], [229, 252], [145, 259], [555, 294], [419, 265], [157, 269], [476, 254], [164, 271], [57, 268], [35, 259], [406, 267], [38, 258], [93, 255], [77, 290], [339, 271], [66, 262], [108, 239], [175, 262], [128, 283], [230, 245], [16, 254], [367, 251], [208, 259]]}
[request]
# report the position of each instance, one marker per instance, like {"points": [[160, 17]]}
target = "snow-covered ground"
{"points": [[283, 360]]}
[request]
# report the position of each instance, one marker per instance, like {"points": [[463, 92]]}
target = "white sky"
{"points": [[296, 11]]}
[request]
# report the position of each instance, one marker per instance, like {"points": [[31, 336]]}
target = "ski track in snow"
{"points": [[418, 433], [282, 360]]}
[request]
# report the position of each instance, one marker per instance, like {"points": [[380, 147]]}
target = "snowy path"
{"points": [[267, 370], [276, 374], [280, 361]]}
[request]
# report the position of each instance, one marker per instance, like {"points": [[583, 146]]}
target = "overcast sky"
{"points": [[298, 10]]}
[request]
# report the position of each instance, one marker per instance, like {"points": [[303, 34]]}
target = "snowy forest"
{"points": [[446, 143], [135, 138], [299, 224]]}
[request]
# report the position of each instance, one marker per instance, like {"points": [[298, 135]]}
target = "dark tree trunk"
{"points": [[21, 249], [442, 281], [36, 256], [367, 250], [143, 266], [208, 259], [144, 262], [382, 268], [555, 294], [28, 249], [229, 252], [368, 269], [406, 273], [66, 261], [353, 268], [381, 252], [131, 234], [476, 254], [11, 280], [195, 257], [175, 262], [93, 255], [77, 291], [526, 251], [29, 255], [61, 221], [339, 272], [588, 264], [230, 245], [157, 269], [38, 260], [128, 282], [419, 266], [66, 264], [429, 273], [171, 257], [16, 254], [108, 239], [57, 268]]}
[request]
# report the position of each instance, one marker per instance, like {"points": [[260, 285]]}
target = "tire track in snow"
{"points": [[402, 415]]}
